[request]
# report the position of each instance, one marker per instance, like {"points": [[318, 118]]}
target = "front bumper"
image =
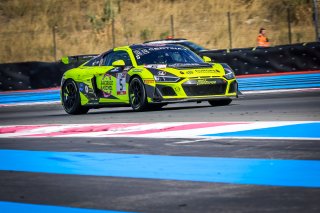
{"points": [[200, 89]]}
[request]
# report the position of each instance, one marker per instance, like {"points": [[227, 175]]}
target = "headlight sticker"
{"points": [[166, 78]]}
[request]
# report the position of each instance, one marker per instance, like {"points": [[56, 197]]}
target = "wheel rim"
{"points": [[69, 96], [136, 94]]}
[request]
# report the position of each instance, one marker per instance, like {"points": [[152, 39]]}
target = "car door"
{"points": [[112, 82]]}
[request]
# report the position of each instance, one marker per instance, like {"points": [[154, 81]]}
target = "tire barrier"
{"points": [[30, 75], [261, 60], [284, 58]]}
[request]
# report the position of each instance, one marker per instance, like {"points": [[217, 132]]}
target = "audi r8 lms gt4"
{"points": [[146, 76]]}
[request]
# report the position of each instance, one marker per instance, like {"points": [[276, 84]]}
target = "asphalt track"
{"points": [[143, 174]]}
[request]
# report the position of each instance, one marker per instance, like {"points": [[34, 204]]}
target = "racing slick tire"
{"points": [[71, 98], [221, 102], [137, 95]]}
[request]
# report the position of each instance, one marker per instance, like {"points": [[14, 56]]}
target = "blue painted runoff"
{"points": [[304, 130], [13, 207], [292, 81], [30, 97], [293, 173]]}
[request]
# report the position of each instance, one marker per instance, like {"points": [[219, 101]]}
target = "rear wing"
{"points": [[77, 59]]}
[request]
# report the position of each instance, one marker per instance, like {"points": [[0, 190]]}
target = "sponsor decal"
{"points": [[116, 69], [164, 48], [81, 87], [156, 66], [206, 82], [138, 53], [206, 71], [94, 102], [149, 81], [157, 44], [162, 73], [137, 70], [144, 51], [106, 85], [87, 91], [177, 89], [178, 65], [121, 83], [127, 68]]}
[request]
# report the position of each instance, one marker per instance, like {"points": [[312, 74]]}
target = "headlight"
{"points": [[166, 78], [229, 74]]}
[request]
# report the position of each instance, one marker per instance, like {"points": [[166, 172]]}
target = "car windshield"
{"points": [[169, 55]]}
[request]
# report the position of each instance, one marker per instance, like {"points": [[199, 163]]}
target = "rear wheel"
{"points": [[137, 94], [222, 102], [71, 99]]}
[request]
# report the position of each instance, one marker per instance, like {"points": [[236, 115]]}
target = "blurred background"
{"points": [[46, 30]]}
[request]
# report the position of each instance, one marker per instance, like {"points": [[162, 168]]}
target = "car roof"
{"points": [[147, 45], [166, 41]]}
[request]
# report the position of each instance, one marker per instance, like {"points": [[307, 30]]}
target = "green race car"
{"points": [[146, 76]]}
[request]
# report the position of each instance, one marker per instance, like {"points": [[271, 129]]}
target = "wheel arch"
{"points": [[133, 76], [150, 90]]}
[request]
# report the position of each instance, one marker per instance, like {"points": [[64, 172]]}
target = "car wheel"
{"points": [[222, 102], [137, 94], [71, 99]]}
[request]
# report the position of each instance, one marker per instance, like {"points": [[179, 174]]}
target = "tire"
{"points": [[137, 95], [71, 99], [222, 102]]}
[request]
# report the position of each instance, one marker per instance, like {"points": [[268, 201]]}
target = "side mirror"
{"points": [[118, 63], [65, 60], [206, 59]]}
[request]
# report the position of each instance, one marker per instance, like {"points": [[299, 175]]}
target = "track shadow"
{"points": [[168, 108], [129, 110]]}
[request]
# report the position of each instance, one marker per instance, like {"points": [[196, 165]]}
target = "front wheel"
{"points": [[71, 99], [137, 94], [222, 102]]}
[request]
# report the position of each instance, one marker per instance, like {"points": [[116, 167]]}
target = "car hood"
{"points": [[186, 70]]}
